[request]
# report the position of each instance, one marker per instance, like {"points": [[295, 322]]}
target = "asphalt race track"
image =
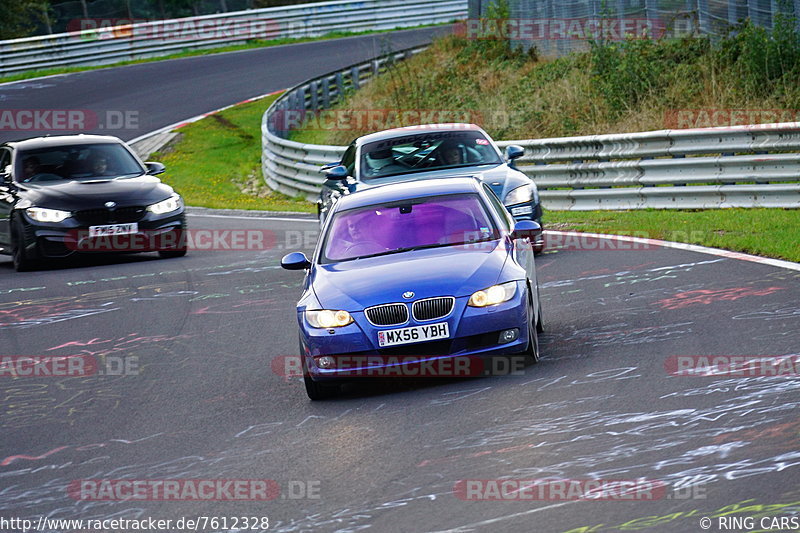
{"points": [[130, 101], [189, 384], [191, 349]]}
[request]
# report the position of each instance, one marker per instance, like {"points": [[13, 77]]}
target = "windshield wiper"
{"points": [[397, 251], [421, 247], [414, 248]]}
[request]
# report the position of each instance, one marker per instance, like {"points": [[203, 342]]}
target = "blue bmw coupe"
{"points": [[409, 274]]}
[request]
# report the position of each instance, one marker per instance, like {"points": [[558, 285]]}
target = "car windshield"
{"points": [[75, 162], [414, 224], [426, 151]]}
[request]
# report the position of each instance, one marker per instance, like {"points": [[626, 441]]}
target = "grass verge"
{"points": [[216, 162], [764, 232]]}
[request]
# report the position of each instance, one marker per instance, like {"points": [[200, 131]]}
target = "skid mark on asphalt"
{"points": [[709, 296], [631, 276]]}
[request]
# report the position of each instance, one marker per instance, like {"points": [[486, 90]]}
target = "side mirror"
{"points": [[154, 168], [526, 229], [295, 261], [329, 166], [514, 152], [338, 173], [5, 174]]}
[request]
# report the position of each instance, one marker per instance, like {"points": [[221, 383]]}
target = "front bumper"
{"points": [[474, 335], [67, 238]]}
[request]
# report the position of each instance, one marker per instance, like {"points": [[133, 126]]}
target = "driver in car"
{"points": [[30, 167], [99, 166], [355, 240], [382, 162], [450, 153], [379, 159]]}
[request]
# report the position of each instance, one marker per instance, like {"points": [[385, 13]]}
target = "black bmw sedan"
{"points": [[66, 195]]}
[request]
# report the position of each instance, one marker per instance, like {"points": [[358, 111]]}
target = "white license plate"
{"points": [[113, 229], [390, 337]]}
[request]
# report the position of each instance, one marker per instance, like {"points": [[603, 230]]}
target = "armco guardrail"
{"points": [[151, 39], [740, 166], [291, 167]]}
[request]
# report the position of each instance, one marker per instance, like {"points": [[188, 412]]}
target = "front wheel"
{"points": [[316, 391], [180, 248], [533, 338], [167, 254], [540, 320], [23, 260]]}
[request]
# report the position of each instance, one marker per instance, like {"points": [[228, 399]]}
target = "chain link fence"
{"points": [[558, 27]]}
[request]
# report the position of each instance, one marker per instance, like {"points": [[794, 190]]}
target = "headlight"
{"points": [[326, 318], [173, 203], [42, 214], [520, 195], [493, 295]]}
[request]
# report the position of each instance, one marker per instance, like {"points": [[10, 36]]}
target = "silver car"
{"points": [[427, 152]]}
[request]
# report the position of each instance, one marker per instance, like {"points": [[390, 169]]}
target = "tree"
{"points": [[20, 17]]}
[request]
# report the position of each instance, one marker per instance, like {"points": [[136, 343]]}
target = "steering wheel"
{"points": [[363, 248]]}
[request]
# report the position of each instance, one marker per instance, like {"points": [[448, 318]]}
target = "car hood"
{"points": [[447, 271], [501, 178], [94, 193]]}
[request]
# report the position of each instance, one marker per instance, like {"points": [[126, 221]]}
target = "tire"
{"points": [[316, 391], [168, 254], [178, 252], [23, 260], [539, 319], [532, 350]]}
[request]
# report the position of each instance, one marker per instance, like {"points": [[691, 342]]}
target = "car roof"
{"points": [[62, 140], [415, 130], [408, 190]]}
